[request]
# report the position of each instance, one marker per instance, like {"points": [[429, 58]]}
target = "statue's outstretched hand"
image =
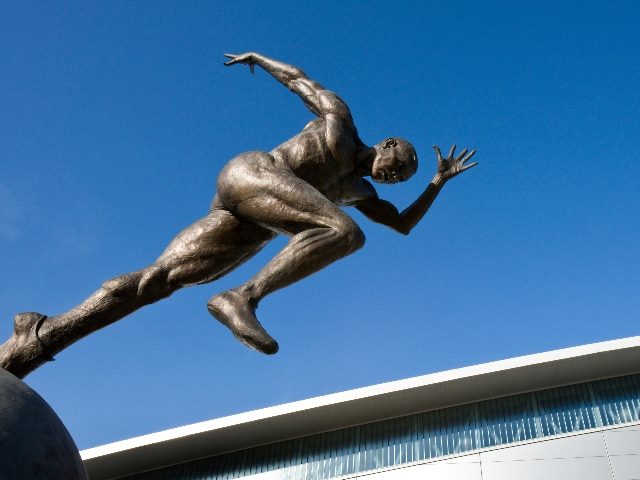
{"points": [[451, 166], [244, 58]]}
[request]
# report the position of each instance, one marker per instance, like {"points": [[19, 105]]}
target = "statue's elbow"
{"points": [[296, 73], [403, 228]]}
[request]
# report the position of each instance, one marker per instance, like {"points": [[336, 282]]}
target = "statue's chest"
{"points": [[319, 159]]}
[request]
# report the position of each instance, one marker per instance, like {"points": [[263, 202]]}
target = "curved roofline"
{"points": [[363, 405]]}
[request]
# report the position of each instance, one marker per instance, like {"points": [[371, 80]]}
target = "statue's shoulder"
{"points": [[356, 189], [314, 124]]}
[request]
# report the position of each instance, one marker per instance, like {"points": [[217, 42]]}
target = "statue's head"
{"points": [[395, 161]]}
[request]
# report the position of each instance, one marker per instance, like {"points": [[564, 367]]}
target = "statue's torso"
{"points": [[324, 154]]}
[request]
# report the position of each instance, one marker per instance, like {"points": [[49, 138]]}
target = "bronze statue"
{"points": [[296, 189]]}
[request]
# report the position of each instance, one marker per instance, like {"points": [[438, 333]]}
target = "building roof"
{"points": [[364, 405]]}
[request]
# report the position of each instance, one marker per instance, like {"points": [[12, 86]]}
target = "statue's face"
{"points": [[394, 162]]}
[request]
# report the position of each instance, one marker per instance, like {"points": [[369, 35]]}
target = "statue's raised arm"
{"points": [[319, 100]]}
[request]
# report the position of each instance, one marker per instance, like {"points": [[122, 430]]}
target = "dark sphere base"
{"points": [[34, 443]]}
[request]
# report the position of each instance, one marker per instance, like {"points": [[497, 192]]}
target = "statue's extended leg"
{"points": [[36, 337], [320, 232], [204, 251]]}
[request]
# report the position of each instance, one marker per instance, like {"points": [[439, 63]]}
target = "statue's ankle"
{"points": [[26, 330], [248, 293], [25, 323]]}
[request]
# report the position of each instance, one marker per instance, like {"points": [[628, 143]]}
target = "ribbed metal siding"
{"points": [[618, 399], [426, 435]]}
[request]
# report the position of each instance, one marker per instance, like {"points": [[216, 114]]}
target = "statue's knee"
{"points": [[153, 283], [350, 236], [113, 285], [122, 286]]}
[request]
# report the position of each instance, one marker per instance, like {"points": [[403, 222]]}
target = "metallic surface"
{"points": [[34, 444], [400, 399], [523, 419], [295, 190], [623, 445]]}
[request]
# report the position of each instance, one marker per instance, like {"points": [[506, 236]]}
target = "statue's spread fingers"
{"points": [[467, 167], [462, 154], [452, 151], [466, 159], [232, 57], [438, 152]]}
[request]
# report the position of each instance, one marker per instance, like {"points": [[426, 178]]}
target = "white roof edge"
{"points": [[360, 393]]}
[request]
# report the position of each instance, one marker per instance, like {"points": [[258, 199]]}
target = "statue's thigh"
{"points": [[212, 247], [284, 203]]}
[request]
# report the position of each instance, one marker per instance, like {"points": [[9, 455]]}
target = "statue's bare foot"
{"points": [[234, 311], [25, 348]]}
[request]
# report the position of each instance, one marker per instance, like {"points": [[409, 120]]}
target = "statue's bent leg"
{"points": [[320, 233]]}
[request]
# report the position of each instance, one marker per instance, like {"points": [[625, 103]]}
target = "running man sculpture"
{"points": [[296, 189]]}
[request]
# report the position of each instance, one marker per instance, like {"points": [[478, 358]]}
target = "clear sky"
{"points": [[117, 116]]}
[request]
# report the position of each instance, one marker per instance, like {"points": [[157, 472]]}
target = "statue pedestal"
{"points": [[34, 443]]}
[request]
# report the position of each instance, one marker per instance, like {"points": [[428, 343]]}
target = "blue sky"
{"points": [[117, 116]]}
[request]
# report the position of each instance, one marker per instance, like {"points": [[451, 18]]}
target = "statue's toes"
{"points": [[262, 342]]}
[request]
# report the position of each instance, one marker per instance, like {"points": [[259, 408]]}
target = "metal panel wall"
{"points": [[623, 448], [424, 436]]}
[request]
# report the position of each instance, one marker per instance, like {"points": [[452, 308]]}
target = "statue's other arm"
{"points": [[384, 212], [320, 101]]}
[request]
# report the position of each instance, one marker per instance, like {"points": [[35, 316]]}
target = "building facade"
{"points": [[572, 413]]}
